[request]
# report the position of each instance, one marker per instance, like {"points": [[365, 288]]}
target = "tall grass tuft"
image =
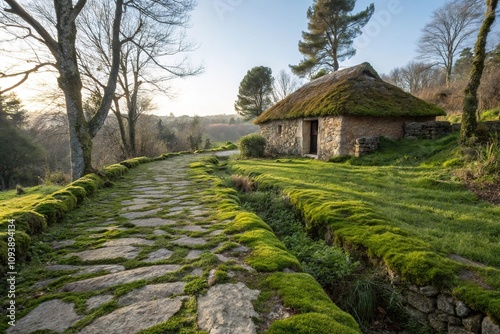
{"points": [[489, 158]]}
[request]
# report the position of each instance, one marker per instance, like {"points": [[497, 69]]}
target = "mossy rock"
{"points": [[268, 258], [78, 192], [66, 196], [245, 221], [486, 301], [301, 292], [28, 221], [310, 323], [115, 171], [52, 209], [23, 244], [89, 182]]}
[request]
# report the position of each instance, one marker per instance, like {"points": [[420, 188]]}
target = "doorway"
{"points": [[314, 137]]}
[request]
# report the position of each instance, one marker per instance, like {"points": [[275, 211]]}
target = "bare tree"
{"points": [[284, 84], [415, 76], [449, 31], [145, 64], [58, 34], [469, 121], [61, 42]]}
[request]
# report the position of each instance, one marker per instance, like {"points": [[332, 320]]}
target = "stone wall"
{"points": [[329, 137], [355, 127], [365, 145], [283, 137], [435, 129], [427, 130], [444, 313]]}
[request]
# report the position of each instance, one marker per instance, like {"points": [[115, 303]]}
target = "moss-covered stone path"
{"points": [[168, 249], [142, 255]]}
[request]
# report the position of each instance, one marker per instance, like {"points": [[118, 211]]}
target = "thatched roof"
{"points": [[355, 91]]}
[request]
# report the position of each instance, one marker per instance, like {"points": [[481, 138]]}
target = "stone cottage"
{"points": [[341, 113]]}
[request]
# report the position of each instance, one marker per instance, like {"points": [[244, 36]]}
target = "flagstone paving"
{"points": [[133, 261]]}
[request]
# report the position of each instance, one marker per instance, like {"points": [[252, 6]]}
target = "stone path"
{"points": [[144, 255]]}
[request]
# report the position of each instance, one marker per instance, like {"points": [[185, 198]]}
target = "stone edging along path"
{"points": [[168, 250]]}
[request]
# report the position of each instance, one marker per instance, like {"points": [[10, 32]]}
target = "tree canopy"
{"points": [[255, 92], [332, 30]]}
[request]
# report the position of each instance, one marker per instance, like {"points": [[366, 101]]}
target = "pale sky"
{"points": [[236, 35]]}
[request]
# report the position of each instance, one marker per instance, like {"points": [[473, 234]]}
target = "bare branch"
{"points": [[25, 75]]}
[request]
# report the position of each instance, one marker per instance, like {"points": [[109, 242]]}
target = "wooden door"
{"points": [[314, 137]]}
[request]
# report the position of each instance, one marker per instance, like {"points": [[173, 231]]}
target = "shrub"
{"points": [[252, 146]]}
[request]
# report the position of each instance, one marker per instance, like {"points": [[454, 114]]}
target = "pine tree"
{"points": [[332, 30], [255, 91]]}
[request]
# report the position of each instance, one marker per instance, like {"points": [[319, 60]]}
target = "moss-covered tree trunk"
{"points": [[470, 103]]}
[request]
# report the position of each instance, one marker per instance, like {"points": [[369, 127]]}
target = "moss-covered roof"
{"points": [[355, 91]]}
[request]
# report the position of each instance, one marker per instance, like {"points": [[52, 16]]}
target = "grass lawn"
{"points": [[9, 200], [408, 213]]}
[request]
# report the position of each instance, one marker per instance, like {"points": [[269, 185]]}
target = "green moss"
{"points": [[486, 301], [26, 220], [131, 163], [310, 323], [304, 295], [89, 182], [246, 221], [67, 197], [196, 287], [115, 171], [22, 246], [78, 192], [53, 210]]}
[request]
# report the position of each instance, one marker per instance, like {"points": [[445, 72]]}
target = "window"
{"points": [[280, 129]]}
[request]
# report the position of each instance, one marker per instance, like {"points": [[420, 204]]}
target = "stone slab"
{"points": [[54, 315], [128, 241], [152, 292], [139, 214], [188, 241], [96, 301], [127, 276], [62, 244], [110, 268], [192, 228], [136, 317], [159, 255], [107, 253], [227, 308], [194, 254], [152, 222]]}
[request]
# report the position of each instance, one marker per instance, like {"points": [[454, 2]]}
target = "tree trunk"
{"points": [[470, 103], [71, 84]]}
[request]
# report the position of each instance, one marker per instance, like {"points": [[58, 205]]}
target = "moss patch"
{"points": [[303, 294]]}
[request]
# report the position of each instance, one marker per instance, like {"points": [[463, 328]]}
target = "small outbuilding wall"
{"points": [[337, 135]]}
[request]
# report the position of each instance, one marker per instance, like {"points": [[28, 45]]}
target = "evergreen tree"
{"points": [[17, 149], [255, 92], [463, 64], [332, 30]]}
